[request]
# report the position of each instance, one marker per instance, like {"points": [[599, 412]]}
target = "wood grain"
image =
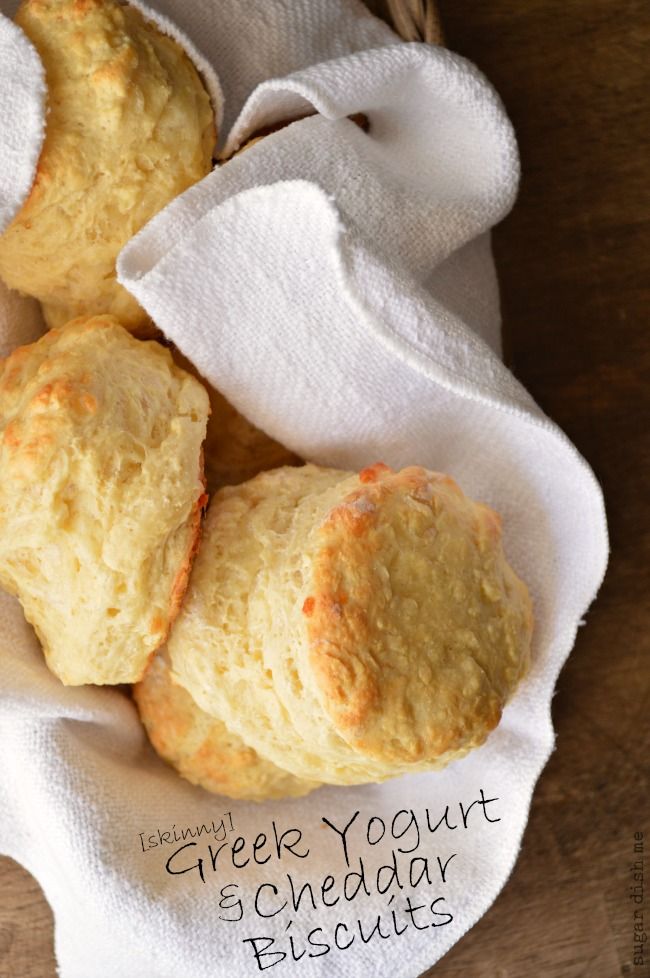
{"points": [[26, 943], [574, 263]]}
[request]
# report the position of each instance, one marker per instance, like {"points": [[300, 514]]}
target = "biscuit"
{"points": [[129, 127], [201, 748], [234, 450], [369, 623], [101, 491]]}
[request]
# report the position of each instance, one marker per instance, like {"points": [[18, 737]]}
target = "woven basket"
{"points": [[413, 20]]}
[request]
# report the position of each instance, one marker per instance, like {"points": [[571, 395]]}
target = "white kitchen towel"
{"points": [[22, 117], [338, 286]]}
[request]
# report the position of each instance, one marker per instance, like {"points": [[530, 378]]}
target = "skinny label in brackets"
{"points": [[218, 829]]}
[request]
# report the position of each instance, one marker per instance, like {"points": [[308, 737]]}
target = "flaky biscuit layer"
{"points": [[101, 490]]}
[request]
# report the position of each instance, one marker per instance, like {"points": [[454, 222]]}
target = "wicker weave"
{"points": [[413, 20]]}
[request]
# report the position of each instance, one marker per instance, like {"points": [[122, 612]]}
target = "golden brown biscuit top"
{"points": [[418, 629], [61, 392], [100, 494]]}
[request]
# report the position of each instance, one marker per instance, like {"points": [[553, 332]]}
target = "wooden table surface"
{"points": [[573, 261]]}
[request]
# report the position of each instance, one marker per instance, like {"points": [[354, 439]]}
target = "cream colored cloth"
{"points": [[22, 111], [338, 287]]}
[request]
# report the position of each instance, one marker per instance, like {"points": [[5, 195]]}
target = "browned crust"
{"points": [[338, 653], [181, 580]]}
